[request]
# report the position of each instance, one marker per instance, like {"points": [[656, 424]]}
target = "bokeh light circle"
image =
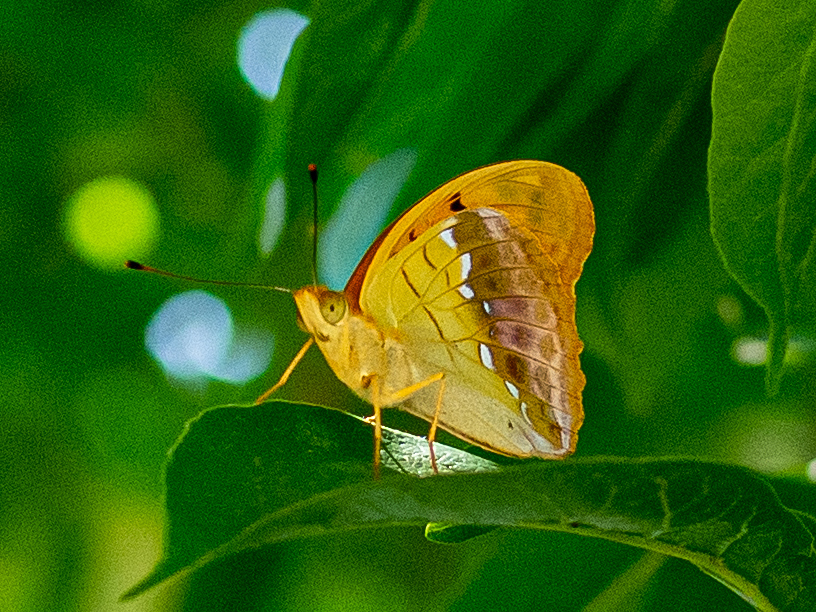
{"points": [[193, 337], [274, 217], [264, 48], [111, 219], [361, 215]]}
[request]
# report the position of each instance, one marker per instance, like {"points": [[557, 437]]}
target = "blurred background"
{"points": [[178, 134]]}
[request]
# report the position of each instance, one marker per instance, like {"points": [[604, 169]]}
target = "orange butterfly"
{"points": [[462, 312]]}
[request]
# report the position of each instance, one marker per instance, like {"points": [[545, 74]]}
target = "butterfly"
{"points": [[462, 312]]}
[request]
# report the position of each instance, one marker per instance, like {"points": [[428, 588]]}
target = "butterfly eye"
{"points": [[333, 307]]}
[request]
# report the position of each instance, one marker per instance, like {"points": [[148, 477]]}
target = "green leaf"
{"points": [[234, 465], [242, 478], [445, 533], [761, 158]]}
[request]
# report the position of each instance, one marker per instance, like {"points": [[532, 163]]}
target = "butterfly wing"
{"points": [[477, 281]]}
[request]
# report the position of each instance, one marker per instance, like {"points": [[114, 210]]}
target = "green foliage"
{"points": [[760, 165], [619, 92], [243, 478]]}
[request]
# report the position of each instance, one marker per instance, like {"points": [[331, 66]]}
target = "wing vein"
{"points": [[409, 283]]}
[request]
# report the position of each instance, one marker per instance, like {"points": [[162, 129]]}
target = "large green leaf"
{"points": [[761, 159], [242, 478]]}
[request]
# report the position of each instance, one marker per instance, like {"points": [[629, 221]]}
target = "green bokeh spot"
{"points": [[111, 219]]}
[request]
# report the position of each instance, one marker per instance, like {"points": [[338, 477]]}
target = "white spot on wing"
{"points": [[513, 389], [486, 356], [486, 306], [466, 291], [447, 237], [487, 212], [564, 420], [565, 435], [467, 264]]}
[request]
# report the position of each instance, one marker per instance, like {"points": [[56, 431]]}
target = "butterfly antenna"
{"points": [[135, 265], [313, 176]]}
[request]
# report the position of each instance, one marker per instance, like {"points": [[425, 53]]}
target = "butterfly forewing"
{"points": [[549, 199], [476, 281]]}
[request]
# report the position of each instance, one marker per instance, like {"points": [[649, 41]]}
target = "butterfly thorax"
{"points": [[353, 345]]}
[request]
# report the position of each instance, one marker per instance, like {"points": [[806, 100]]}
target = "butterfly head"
{"points": [[321, 312]]}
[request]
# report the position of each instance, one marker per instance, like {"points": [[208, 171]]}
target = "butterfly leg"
{"points": [[286, 373], [435, 423], [408, 391], [377, 416]]}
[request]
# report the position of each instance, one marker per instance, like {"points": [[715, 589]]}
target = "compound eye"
{"points": [[333, 307]]}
